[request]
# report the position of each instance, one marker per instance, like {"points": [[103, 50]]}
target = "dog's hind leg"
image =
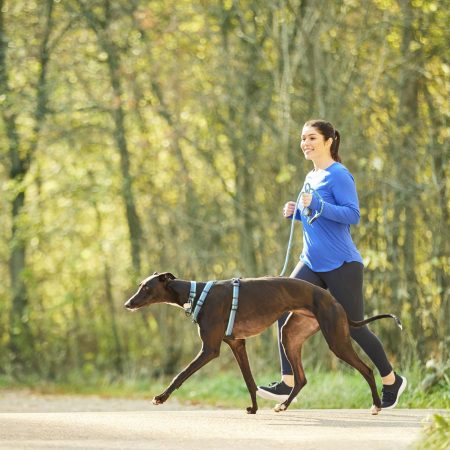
{"points": [[297, 329], [338, 339], [240, 353], [347, 353]]}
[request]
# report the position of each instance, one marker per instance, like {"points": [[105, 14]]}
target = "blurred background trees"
{"points": [[164, 135]]}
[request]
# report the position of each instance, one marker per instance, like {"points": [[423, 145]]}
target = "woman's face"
{"points": [[314, 145]]}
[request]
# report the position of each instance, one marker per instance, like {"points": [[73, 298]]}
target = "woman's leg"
{"points": [[346, 286], [301, 272], [280, 391]]}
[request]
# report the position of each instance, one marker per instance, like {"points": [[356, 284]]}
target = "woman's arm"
{"points": [[346, 209], [288, 211]]}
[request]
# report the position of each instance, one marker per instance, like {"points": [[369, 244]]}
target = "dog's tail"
{"points": [[371, 319]]}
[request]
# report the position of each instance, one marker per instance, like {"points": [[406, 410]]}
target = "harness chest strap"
{"points": [[198, 306], [234, 306], [201, 300]]}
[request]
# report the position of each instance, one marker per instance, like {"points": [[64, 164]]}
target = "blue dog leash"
{"points": [[288, 251], [305, 212], [308, 211]]}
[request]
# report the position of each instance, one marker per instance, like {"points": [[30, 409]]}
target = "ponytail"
{"points": [[335, 146]]}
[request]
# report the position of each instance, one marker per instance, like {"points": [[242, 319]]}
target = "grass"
{"points": [[436, 435], [344, 388]]}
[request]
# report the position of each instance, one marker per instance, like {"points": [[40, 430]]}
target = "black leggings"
{"points": [[346, 285]]}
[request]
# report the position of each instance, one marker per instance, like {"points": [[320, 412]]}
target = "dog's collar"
{"points": [[190, 302], [193, 307]]}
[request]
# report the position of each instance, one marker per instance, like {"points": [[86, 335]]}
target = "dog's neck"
{"points": [[179, 292]]}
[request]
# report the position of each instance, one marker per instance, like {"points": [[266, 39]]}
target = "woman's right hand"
{"points": [[289, 209]]}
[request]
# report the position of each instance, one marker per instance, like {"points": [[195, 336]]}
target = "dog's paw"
{"points": [[280, 407], [159, 399], [375, 410], [251, 410]]}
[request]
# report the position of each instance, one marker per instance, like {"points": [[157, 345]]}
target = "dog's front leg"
{"points": [[240, 353], [205, 355]]}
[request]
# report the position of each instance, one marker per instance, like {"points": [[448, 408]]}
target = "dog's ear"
{"points": [[166, 276]]}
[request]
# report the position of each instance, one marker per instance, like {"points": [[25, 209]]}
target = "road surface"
{"points": [[65, 422]]}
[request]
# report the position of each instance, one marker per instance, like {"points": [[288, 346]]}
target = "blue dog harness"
{"points": [[190, 303], [192, 307], [234, 306], [202, 299]]}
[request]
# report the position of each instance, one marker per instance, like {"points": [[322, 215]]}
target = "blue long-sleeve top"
{"points": [[327, 242]]}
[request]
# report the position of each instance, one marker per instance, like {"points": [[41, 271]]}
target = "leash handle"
{"points": [[308, 211], [308, 190]]}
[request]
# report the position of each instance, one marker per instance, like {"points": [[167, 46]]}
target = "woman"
{"points": [[329, 258]]}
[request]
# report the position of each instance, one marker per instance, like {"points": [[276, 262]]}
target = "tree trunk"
{"points": [[441, 225], [407, 124], [20, 335], [101, 30]]}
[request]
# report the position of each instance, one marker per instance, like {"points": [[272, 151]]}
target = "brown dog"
{"points": [[261, 302]]}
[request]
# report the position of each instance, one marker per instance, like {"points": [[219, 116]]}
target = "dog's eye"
{"points": [[145, 287]]}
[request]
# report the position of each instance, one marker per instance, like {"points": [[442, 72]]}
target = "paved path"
{"points": [[93, 423]]}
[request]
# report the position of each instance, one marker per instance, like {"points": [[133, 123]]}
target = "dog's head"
{"points": [[151, 290]]}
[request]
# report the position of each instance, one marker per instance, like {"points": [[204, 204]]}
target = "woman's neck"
{"points": [[323, 164]]}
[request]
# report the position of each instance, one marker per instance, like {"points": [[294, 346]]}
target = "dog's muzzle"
{"points": [[129, 305]]}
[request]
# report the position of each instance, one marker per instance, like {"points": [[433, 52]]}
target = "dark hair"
{"points": [[328, 131]]}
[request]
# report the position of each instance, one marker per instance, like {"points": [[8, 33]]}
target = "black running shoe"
{"points": [[391, 392], [278, 390]]}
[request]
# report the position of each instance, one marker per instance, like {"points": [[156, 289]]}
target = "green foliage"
{"points": [[141, 136], [436, 435], [437, 375]]}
